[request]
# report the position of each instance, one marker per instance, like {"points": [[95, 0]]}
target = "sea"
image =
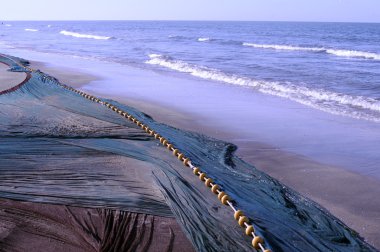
{"points": [[327, 75], [334, 67]]}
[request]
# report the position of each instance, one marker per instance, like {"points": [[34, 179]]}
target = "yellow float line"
{"points": [[243, 221]]}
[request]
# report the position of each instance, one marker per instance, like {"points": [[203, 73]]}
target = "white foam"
{"points": [[9, 25], [336, 52], [354, 54], [354, 106], [79, 35], [31, 30], [285, 47], [49, 26], [203, 39]]}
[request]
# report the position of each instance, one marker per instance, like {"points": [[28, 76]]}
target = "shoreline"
{"points": [[312, 179]]}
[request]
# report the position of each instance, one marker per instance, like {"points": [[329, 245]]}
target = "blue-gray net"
{"points": [[57, 147]]}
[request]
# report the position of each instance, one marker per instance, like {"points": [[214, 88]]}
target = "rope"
{"points": [[243, 221]]}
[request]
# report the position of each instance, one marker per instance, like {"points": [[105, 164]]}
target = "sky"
{"points": [[237, 10]]}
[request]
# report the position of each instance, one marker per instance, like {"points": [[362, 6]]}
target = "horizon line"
{"points": [[182, 20]]}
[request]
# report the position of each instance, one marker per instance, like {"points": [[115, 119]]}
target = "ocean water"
{"points": [[333, 67]]}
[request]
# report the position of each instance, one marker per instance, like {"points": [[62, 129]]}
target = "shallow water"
{"points": [[57, 147]]}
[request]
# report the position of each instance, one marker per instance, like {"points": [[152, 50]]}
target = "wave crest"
{"points": [[336, 103], [354, 54], [31, 30], [80, 35], [285, 47], [203, 39], [336, 52]]}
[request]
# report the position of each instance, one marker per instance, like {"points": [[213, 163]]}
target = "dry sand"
{"points": [[9, 79]]}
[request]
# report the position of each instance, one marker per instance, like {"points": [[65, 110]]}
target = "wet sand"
{"points": [[351, 197], [66, 75]]}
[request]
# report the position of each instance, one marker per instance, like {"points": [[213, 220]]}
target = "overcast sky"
{"points": [[255, 10]]}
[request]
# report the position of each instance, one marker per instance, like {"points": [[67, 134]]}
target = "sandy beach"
{"points": [[297, 172], [350, 196]]}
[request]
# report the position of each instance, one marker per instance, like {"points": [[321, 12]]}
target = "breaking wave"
{"points": [[31, 30], [359, 107], [203, 39], [336, 52], [80, 35]]}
